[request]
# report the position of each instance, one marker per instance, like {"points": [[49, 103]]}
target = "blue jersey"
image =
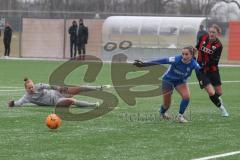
{"points": [[177, 69]]}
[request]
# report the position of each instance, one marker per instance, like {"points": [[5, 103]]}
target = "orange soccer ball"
{"points": [[53, 121]]}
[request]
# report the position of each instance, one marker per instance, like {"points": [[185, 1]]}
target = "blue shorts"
{"points": [[167, 82]]}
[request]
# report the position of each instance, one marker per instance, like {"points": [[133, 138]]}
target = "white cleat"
{"points": [[106, 86], [224, 112], [165, 116], [97, 104], [181, 119]]}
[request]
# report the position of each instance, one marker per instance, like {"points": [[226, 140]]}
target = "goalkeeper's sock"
{"points": [[85, 104], [90, 88], [163, 109], [215, 99], [183, 105]]}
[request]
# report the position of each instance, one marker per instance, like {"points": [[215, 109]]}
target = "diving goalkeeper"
{"points": [[45, 95]]}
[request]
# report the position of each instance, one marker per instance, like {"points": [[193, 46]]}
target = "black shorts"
{"points": [[210, 78]]}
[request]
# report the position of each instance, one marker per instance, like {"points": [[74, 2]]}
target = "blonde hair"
{"points": [[218, 29]]}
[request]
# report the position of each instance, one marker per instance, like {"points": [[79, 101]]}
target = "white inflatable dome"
{"points": [[149, 34]]}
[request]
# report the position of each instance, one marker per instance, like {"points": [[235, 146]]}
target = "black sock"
{"points": [[215, 99], [218, 94]]}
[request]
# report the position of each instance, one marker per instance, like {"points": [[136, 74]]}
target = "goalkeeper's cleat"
{"points": [[224, 112], [97, 104], [105, 86], [165, 116], [181, 119]]}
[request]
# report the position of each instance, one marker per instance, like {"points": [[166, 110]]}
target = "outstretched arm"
{"points": [[19, 102], [139, 63]]}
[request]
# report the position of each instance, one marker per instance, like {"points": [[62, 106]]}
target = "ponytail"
{"points": [[26, 81]]}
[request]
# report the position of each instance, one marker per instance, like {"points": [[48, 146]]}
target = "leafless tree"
{"points": [[196, 7]]}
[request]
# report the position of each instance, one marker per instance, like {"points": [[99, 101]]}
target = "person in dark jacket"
{"points": [[7, 39], [82, 39], [73, 39], [201, 32]]}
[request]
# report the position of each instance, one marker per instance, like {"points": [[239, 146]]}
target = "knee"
{"points": [[210, 90], [186, 97], [211, 93]]}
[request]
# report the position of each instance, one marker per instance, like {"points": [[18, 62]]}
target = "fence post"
{"points": [[20, 36], [64, 38]]}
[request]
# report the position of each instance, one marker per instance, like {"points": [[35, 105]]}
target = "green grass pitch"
{"points": [[127, 133]]}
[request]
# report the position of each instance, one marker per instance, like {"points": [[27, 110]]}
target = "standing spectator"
{"points": [[7, 39], [82, 39], [201, 32], [73, 39], [209, 53]]}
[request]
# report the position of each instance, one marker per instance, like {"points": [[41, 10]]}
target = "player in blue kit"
{"points": [[176, 76]]}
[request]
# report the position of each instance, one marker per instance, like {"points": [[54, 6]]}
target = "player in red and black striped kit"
{"points": [[209, 53]]}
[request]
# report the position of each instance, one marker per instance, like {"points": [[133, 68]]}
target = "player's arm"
{"points": [[199, 73], [19, 102], [139, 63], [216, 56]]}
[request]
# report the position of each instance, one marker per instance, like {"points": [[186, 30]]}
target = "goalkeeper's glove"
{"points": [[11, 104], [139, 63]]}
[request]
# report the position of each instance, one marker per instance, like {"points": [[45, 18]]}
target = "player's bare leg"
{"points": [[72, 101], [166, 104], [76, 90], [183, 90]]}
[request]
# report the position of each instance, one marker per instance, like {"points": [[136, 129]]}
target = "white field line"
{"points": [[222, 82], [14, 89], [218, 156], [11, 90], [66, 59], [229, 65], [9, 87]]}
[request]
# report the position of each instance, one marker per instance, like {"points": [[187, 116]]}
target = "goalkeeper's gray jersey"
{"points": [[43, 96]]}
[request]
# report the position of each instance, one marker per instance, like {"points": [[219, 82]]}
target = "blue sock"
{"points": [[163, 110], [183, 105]]}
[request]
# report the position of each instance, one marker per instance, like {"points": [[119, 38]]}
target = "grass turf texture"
{"points": [[125, 133]]}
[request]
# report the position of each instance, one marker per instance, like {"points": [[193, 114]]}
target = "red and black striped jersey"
{"points": [[209, 53]]}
